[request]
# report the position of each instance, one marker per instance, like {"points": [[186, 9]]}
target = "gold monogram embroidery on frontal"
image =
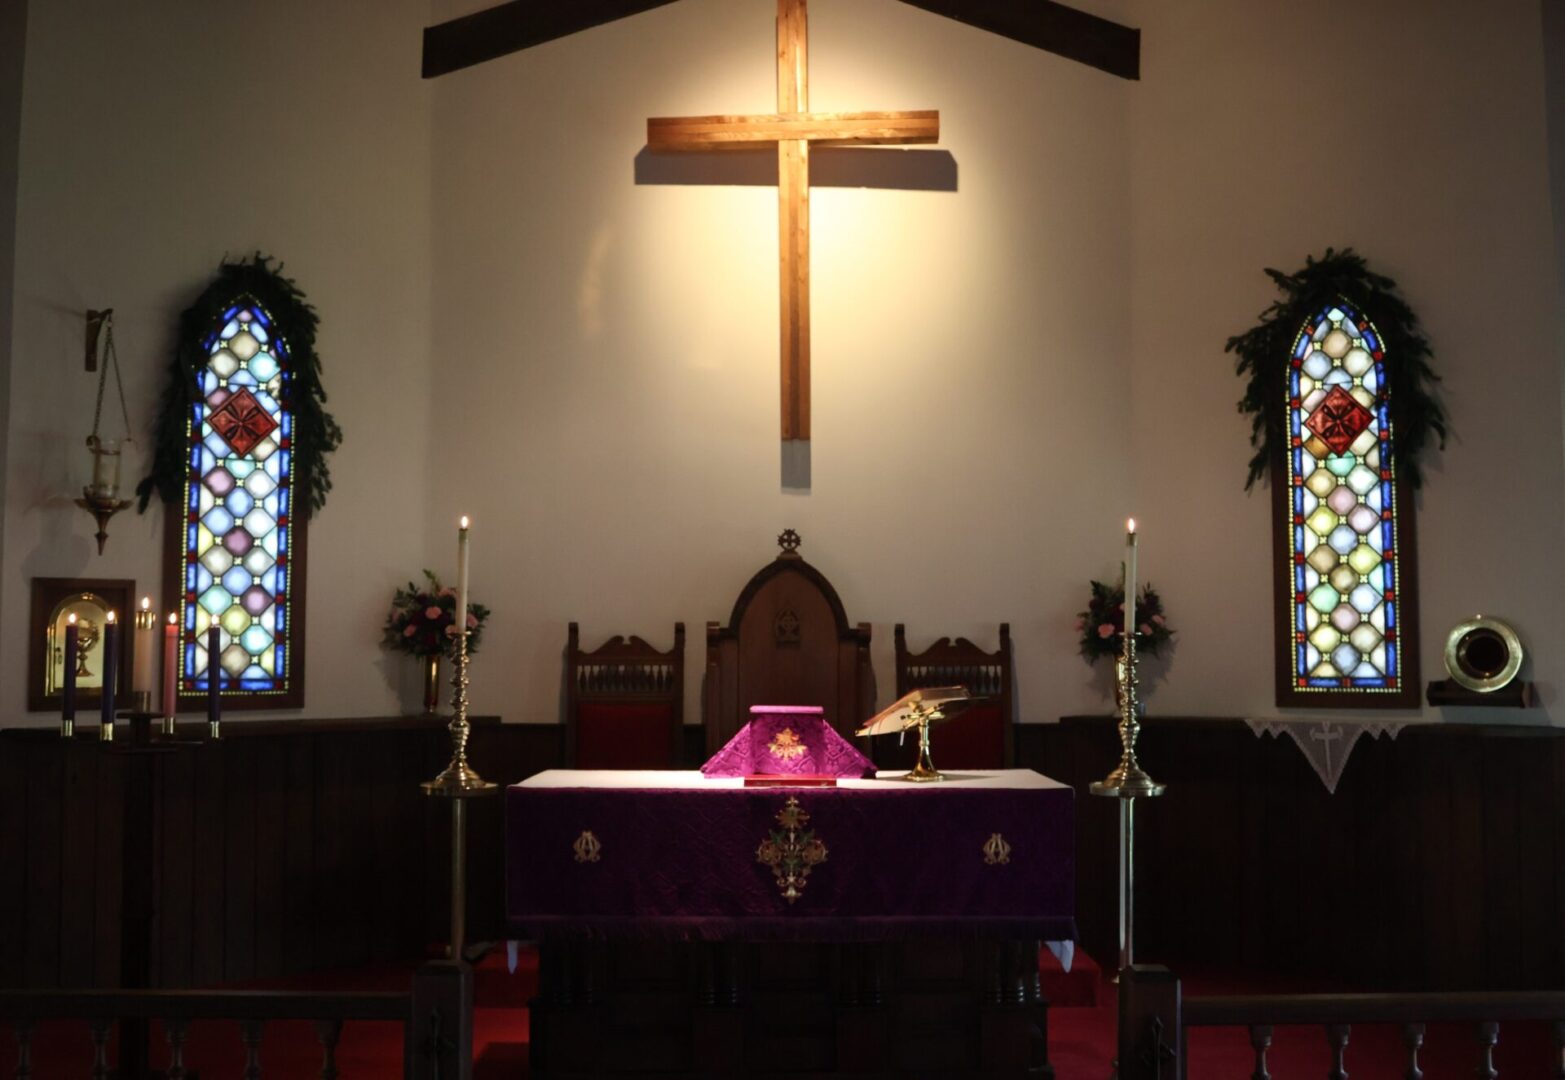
{"points": [[792, 851], [996, 851], [786, 745], [587, 847]]}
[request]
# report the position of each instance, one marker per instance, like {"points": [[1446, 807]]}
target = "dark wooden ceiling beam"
{"points": [[521, 24], [1053, 27]]}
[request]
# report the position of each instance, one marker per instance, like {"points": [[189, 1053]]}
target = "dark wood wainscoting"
{"points": [[283, 848], [306, 845], [1439, 864]]}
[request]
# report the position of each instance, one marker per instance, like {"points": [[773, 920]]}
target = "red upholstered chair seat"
{"points": [[623, 735], [973, 740]]}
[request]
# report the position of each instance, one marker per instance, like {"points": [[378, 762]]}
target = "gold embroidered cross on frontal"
{"points": [[792, 851]]}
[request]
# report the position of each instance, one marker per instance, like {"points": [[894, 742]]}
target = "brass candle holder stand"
{"points": [[1127, 783], [459, 782]]}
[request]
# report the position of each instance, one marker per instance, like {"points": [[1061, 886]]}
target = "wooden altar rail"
{"points": [[417, 1011], [1154, 1020]]}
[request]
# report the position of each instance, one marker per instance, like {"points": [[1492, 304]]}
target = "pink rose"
{"points": [[472, 621], [410, 631], [448, 591], [1081, 624], [1106, 630], [1159, 620], [1144, 629], [432, 612]]}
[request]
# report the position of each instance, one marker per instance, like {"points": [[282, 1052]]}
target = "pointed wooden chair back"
{"points": [[787, 642], [983, 736], [624, 703]]}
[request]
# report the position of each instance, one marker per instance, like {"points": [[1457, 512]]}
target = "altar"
{"points": [[695, 925]]}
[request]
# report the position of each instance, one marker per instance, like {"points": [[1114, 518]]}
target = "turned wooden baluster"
{"points": [[24, 1049], [1413, 1039], [250, 1032], [1337, 1039], [328, 1031], [1488, 1035], [100, 1049], [176, 1048], [1260, 1042]]}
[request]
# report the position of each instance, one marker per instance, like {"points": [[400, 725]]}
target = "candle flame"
{"points": [[146, 603], [172, 618], [111, 616], [71, 618], [464, 522], [1130, 526]]}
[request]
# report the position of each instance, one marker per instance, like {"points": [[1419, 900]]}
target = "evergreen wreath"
{"points": [[1417, 415], [316, 434]]}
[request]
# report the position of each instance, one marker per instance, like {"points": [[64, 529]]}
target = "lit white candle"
{"points": [[1130, 576], [144, 671], [461, 577]]}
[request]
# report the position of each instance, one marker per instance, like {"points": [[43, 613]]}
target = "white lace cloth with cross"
{"points": [[1326, 743]]}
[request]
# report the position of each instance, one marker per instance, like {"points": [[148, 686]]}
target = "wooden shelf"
{"points": [[1518, 695]]}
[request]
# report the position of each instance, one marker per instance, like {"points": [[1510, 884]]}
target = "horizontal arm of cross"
{"points": [[758, 132]]}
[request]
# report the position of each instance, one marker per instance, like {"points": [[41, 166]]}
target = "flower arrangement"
{"points": [[422, 620], [1103, 623]]}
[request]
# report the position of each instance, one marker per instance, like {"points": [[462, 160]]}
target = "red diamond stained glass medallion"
{"points": [[242, 422], [1339, 419]]}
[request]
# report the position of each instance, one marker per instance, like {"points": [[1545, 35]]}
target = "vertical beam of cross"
{"points": [[792, 129]]}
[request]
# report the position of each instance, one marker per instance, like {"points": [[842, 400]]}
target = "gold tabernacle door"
{"points": [[920, 708]]}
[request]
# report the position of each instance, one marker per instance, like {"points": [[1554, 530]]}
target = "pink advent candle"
{"points": [[170, 664]]}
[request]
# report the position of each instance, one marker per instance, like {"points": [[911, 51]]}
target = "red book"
{"points": [[789, 780]]}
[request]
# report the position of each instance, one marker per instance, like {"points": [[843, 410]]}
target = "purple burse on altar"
{"points": [[788, 740]]}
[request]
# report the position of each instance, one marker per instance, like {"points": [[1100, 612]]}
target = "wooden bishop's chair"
{"points": [[983, 736], [624, 703]]}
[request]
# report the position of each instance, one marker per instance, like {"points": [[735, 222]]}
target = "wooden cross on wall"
{"points": [[791, 130], [1045, 24]]}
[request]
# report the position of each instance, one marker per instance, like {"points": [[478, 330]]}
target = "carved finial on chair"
{"points": [[789, 542]]}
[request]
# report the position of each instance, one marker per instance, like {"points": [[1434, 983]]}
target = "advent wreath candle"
{"points": [[170, 664], [214, 678], [68, 690], [111, 668], [144, 656]]}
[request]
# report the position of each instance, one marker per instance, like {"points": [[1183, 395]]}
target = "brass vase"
{"points": [[431, 684]]}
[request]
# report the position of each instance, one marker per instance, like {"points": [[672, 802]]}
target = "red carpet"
{"points": [[1081, 1040]]}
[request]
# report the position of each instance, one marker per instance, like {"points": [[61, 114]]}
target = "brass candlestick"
{"points": [[1128, 782], [459, 782], [925, 770]]}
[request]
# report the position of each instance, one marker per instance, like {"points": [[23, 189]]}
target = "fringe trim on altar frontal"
{"points": [[826, 929]]}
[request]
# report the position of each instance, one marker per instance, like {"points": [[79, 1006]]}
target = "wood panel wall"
{"points": [[305, 846]]}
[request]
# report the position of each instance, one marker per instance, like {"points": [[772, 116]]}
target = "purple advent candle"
{"points": [[214, 676], [68, 693], [111, 665]]}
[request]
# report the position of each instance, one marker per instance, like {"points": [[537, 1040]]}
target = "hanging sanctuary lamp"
{"points": [[101, 497]]}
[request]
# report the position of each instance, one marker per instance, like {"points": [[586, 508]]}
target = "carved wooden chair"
{"points": [[983, 736], [624, 703], [787, 642]]}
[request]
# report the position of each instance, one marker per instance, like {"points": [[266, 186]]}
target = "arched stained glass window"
{"points": [[240, 532], [1348, 617]]}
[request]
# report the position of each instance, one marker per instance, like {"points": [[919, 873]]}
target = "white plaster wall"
{"points": [[1415, 132], [155, 140], [587, 365], [607, 351]]}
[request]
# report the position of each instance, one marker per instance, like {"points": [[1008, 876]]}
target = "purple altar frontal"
{"points": [[679, 856]]}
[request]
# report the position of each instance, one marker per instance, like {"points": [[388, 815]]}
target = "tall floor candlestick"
{"points": [[1129, 781]]}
